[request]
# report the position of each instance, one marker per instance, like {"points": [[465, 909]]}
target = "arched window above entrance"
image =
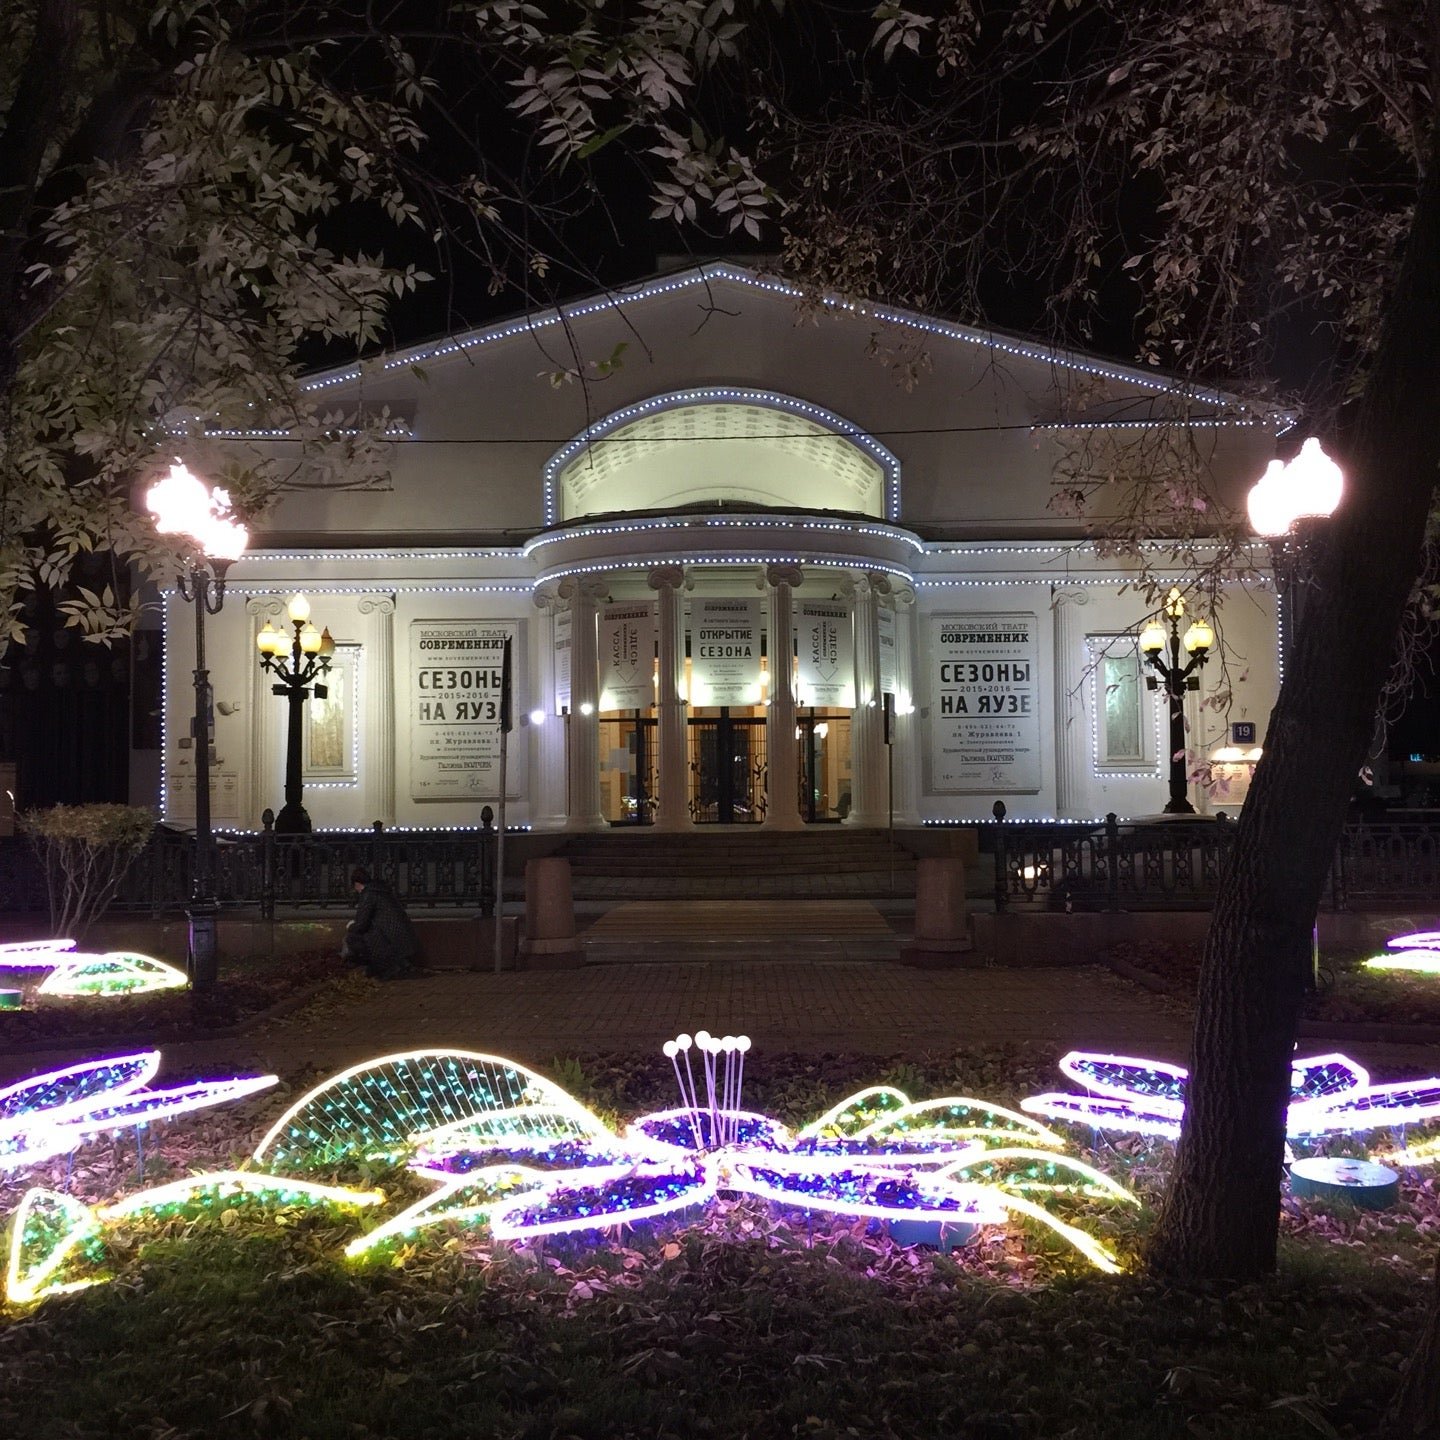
{"points": [[723, 446]]}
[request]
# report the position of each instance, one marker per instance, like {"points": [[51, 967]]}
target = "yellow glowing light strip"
{"points": [[419, 1214], [1417, 962], [146, 973], [1046, 1157], [238, 1182], [1087, 1245], [912, 1118], [817, 1127], [548, 1087], [33, 1286], [1423, 1152]]}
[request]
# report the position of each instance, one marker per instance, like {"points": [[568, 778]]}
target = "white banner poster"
{"points": [[825, 647], [627, 656], [564, 631], [888, 668], [724, 652], [984, 710], [455, 679]]}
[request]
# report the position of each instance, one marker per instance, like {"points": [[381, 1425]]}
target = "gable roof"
{"points": [[726, 273]]}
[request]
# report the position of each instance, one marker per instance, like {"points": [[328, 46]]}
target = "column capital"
{"points": [[668, 576], [376, 605], [264, 605], [1060, 596], [547, 598], [782, 573], [901, 595], [577, 589], [865, 583]]}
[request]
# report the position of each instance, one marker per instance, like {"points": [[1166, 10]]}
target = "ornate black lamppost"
{"points": [[183, 505], [1177, 678], [309, 657]]}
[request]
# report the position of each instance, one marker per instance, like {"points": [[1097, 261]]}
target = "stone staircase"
{"points": [[733, 862]]}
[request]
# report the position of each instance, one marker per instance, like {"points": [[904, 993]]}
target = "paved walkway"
{"points": [[857, 1008]]}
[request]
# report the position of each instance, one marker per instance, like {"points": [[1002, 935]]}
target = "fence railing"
{"points": [[1101, 865], [1107, 865]]}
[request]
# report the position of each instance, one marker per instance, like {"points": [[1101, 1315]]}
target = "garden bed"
{"points": [[246, 989], [750, 1322]]}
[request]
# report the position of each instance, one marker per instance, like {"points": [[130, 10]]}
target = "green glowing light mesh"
{"points": [[381, 1108]]}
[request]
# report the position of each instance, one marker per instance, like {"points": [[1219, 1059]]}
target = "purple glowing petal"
{"points": [[1403, 1103], [35, 954], [911, 1153], [1151, 1082], [1107, 1113], [448, 1161], [1416, 940], [573, 1203], [1319, 1076], [60, 1094], [876, 1194], [148, 1105], [679, 1130]]}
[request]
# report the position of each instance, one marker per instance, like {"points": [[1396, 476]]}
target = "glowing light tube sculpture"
{"points": [[1418, 952], [509, 1149], [75, 972], [1330, 1095], [52, 1114]]}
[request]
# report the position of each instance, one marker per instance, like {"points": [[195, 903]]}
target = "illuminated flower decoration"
{"points": [[510, 1149], [1418, 952], [74, 972], [115, 973], [52, 1114], [1329, 1095]]}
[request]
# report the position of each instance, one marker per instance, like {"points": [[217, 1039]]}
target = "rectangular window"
{"points": [[331, 730], [1123, 716]]}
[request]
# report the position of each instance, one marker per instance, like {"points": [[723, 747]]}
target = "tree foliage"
{"points": [[85, 851], [184, 188]]}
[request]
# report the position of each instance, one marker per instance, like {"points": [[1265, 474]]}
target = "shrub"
{"points": [[85, 850]]}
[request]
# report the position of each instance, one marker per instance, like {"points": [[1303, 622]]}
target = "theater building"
{"points": [[749, 580]]}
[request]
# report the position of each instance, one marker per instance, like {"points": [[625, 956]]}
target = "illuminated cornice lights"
{"points": [[837, 425], [720, 271], [1330, 1095], [1418, 952], [566, 533], [688, 557], [52, 1114], [114, 973]]}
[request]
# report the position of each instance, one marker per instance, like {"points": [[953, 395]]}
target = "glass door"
{"points": [[727, 770]]}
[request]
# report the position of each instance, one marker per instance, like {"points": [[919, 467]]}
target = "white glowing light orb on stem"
{"points": [[1310, 485]]}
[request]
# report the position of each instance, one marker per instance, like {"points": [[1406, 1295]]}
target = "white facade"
{"points": [[645, 538]]}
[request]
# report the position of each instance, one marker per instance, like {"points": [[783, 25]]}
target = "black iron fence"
{"points": [[1104, 865], [1107, 865], [266, 871]]}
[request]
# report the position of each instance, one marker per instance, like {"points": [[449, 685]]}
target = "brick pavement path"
{"points": [[855, 1008]]}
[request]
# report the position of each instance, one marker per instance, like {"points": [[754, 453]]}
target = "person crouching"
{"points": [[380, 937]]}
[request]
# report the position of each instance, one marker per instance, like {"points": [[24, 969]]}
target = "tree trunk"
{"points": [[1220, 1218], [1415, 1414]]}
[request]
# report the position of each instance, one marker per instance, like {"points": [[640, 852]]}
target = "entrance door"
{"points": [[727, 770], [823, 742]]}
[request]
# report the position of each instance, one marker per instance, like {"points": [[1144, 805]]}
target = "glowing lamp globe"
{"points": [[182, 505], [1152, 638], [269, 641], [1198, 637], [298, 609], [311, 640], [327, 643], [1309, 486]]}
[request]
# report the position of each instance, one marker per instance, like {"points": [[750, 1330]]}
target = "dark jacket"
{"points": [[381, 919]]}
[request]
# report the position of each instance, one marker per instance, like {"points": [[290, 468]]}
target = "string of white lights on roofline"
{"points": [[707, 274]]}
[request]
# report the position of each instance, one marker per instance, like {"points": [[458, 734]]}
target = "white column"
{"points": [[265, 713], [673, 811], [1072, 734], [377, 754], [583, 727], [548, 744], [869, 802], [906, 755], [782, 799]]}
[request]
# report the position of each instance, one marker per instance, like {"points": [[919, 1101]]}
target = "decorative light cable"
{"points": [[721, 271], [1417, 952], [815, 561], [117, 972], [719, 522], [34, 954]]}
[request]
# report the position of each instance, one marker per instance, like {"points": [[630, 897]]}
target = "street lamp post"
{"points": [[1286, 504], [1177, 678], [183, 505], [309, 657]]}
